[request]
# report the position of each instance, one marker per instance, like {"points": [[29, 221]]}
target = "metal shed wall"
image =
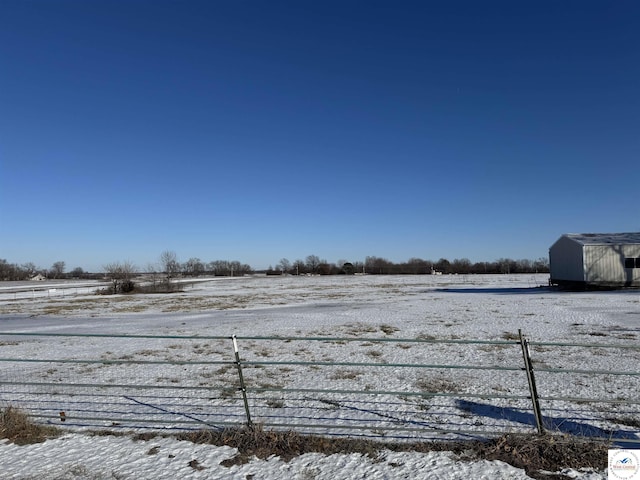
{"points": [[604, 265], [566, 261]]}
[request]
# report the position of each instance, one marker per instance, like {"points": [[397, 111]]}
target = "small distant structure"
{"points": [[38, 278], [435, 272], [595, 260]]}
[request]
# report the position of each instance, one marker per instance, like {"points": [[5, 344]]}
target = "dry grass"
{"points": [[434, 385], [16, 427], [546, 453], [536, 454], [628, 421], [388, 329], [139, 301], [359, 328], [345, 374], [255, 441], [510, 336]]}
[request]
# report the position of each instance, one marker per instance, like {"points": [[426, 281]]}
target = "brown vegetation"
{"points": [[16, 427], [536, 454]]}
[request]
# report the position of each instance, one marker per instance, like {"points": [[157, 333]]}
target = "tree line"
{"points": [[27, 271], [169, 267], [414, 266]]}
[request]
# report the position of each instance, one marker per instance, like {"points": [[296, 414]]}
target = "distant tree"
{"points": [[461, 265], [348, 268], [7, 270], [112, 272], [312, 262], [152, 273], [443, 265], [152, 268], [239, 269], [284, 265], [299, 267], [325, 268], [376, 265], [481, 267], [11, 271], [506, 265], [358, 267], [169, 262], [77, 272], [211, 267], [236, 268], [120, 275], [57, 270], [219, 267], [541, 265], [29, 269], [523, 266], [193, 267], [228, 268], [417, 266]]}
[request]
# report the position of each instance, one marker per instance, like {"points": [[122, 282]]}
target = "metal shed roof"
{"points": [[605, 238]]}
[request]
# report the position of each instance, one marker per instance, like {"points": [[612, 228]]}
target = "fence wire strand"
{"points": [[77, 390]]}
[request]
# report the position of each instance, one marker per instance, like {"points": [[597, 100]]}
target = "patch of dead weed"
{"points": [[536, 454]]}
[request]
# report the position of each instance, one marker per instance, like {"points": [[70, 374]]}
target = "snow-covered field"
{"points": [[355, 310]]}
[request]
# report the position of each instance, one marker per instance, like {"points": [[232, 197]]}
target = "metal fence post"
{"points": [[243, 389], [528, 366]]}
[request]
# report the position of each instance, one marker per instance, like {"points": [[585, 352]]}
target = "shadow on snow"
{"points": [[555, 424], [501, 290]]}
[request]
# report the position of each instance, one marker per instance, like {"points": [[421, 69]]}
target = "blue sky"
{"points": [[252, 130]]}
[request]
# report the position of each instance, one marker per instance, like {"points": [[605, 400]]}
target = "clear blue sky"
{"points": [[256, 130]]}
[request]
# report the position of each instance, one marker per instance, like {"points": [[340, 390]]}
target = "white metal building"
{"points": [[596, 260]]}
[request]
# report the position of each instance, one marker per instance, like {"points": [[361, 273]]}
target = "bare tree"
{"points": [[7, 270], [312, 262], [417, 266], [443, 266], [358, 267], [121, 275], [461, 265], [300, 267], [228, 268], [77, 272], [541, 265], [30, 269], [325, 268], [193, 267], [506, 265], [170, 264], [219, 267], [57, 270], [152, 273], [378, 265], [284, 265]]}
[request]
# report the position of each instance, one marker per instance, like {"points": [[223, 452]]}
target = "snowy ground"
{"points": [[357, 307]]}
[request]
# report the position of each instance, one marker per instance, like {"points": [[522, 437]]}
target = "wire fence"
{"points": [[387, 388], [49, 291]]}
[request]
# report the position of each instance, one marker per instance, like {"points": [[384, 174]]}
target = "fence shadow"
{"points": [[555, 424], [501, 291]]}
